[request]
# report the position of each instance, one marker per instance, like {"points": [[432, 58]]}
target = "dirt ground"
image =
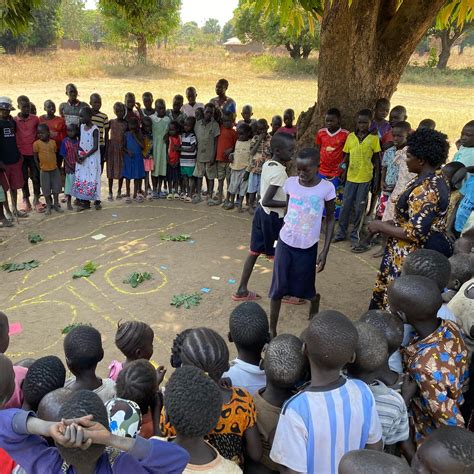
{"points": [[46, 299]]}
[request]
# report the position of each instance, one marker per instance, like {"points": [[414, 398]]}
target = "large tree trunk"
{"points": [[364, 51], [141, 49]]}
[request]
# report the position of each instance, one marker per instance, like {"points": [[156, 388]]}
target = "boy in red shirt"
{"points": [[225, 146], [173, 159], [330, 140]]}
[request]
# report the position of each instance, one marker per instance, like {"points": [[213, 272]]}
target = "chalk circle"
{"points": [[25, 337], [159, 278]]}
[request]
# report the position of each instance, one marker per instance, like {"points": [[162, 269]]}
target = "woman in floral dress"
{"points": [[420, 212]]}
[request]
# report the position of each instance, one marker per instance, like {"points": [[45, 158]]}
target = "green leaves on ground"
{"points": [[186, 300], [70, 327], [176, 238], [16, 267], [135, 278], [86, 271], [34, 238]]}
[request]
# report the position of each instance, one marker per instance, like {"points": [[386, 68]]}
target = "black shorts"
{"points": [[294, 272], [265, 231]]}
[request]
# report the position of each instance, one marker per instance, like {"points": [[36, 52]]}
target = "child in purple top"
{"points": [[81, 442], [296, 255]]}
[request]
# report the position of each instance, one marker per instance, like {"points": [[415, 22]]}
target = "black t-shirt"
{"points": [[9, 153]]}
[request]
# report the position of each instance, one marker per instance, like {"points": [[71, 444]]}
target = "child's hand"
{"points": [[71, 436], [137, 106], [409, 388], [246, 176], [93, 430], [160, 374], [321, 262]]}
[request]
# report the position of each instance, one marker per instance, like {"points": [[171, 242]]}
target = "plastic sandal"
{"points": [[293, 300], [250, 296], [128, 200]]}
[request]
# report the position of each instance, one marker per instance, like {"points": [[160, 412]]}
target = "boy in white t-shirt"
{"points": [[268, 217]]}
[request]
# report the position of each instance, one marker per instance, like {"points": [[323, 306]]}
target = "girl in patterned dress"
{"points": [[420, 212]]}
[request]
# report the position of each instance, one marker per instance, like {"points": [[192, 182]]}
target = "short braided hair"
{"points": [[430, 264], [248, 326], [130, 335]]}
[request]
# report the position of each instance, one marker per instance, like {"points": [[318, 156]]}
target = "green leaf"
{"points": [[186, 300], [136, 278], [34, 238], [70, 327], [16, 267], [86, 271], [176, 238]]}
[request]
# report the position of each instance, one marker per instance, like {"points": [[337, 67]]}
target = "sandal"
{"points": [[149, 196], [6, 223], [110, 197], [163, 195], [360, 248], [20, 214], [118, 196], [293, 300], [250, 296], [139, 198], [128, 200], [169, 197], [196, 199], [39, 208], [188, 199], [228, 206]]}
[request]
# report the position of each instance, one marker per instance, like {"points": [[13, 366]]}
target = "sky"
{"points": [[199, 10]]}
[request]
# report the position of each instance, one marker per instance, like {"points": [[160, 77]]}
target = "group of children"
{"points": [[332, 400]]}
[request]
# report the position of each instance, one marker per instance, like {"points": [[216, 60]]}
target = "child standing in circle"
{"points": [[148, 163], [86, 187], [187, 159], [174, 147], [116, 150], [68, 151], [160, 132], [133, 167]]}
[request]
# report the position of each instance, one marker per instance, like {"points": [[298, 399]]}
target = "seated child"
{"points": [[44, 151], [193, 403], [427, 123], [247, 113], [205, 349], [68, 151], [276, 124], [391, 372], [16, 399], [465, 154], [436, 357], [370, 356], [83, 351], [284, 364], [364, 461], [138, 382], [288, 119], [248, 330], [44, 376], [239, 167], [81, 438], [314, 430], [134, 339], [447, 450]]}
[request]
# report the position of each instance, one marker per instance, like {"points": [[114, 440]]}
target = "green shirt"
{"points": [[206, 134]]}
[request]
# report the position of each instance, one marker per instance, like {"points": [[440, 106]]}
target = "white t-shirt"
{"points": [[316, 428], [273, 174], [190, 110], [246, 375], [106, 391]]}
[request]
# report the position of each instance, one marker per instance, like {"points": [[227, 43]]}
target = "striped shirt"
{"points": [[392, 413], [316, 428], [102, 121], [188, 158]]}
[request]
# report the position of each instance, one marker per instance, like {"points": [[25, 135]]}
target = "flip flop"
{"points": [[6, 223], [293, 300], [250, 296], [21, 214], [39, 208], [360, 248]]}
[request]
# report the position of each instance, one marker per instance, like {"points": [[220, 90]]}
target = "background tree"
{"points": [[140, 20], [450, 35], [212, 27], [365, 47], [15, 15], [227, 31]]}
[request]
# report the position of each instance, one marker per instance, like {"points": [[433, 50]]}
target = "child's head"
{"points": [[199, 113], [467, 135], [119, 110], [7, 380], [174, 128], [147, 125], [307, 165], [332, 119], [137, 382], [134, 124], [22, 98], [130, 100], [208, 112], [191, 95], [95, 102], [330, 340], [5, 107], [24, 106], [43, 132], [282, 146], [369, 461], [32, 108], [178, 101], [193, 402], [147, 99], [134, 339], [206, 349], [463, 245], [221, 87], [189, 124], [248, 327], [71, 92], [288, 117], [247, 112], [400, 133], [371, 352], [427, 123], [83, 349], [397, 114], [82, 403], [461, 271], [72, 130], [449, 170], [382, 108], [262, 126], [415, 299], [49, 107], [277, 122], [4, 333], [44, 376], [50, 405], [244, 132], [430, 264], [160, 107], [175, 359], [448, 450], [390, 325], [364, 117], [227, 121], [85, 114], [284, 361]]}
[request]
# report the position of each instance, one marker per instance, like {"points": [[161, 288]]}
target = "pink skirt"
{"points": [[149, 164]]}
